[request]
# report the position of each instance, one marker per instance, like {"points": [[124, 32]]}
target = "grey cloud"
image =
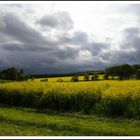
{"points": [[28, 38], [132, 41], [132, 38], [66, 53], [51, 61], [25, 47], [130, 49], [59, 20], [28, 49], [19, 30], [117, 57], [11, 46], [96, 48], [82, 39], [77, 38]]}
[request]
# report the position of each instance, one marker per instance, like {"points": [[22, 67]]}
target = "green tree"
{"points": [[75, 78], [14, 74], [106, 76], [86, 77], [138, 74], [123, 71], [126, 71], [95, 76]]}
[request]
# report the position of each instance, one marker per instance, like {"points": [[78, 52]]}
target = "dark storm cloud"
{"points": [[96, 48], [59, 20], [82, 39], [19, 30], [129, 49], [12, 46], [66, 53], [132, 43], [117, 57], [132, 38], [28, 38], [25, 47]]}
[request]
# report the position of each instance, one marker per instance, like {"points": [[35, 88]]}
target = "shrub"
{"points": [[59, 80], [44, 80]]}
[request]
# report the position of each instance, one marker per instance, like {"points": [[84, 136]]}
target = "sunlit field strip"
{"points": [[68, 78]]}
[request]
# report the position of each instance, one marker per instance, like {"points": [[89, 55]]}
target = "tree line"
{"points": [[66, 74], [14, 74], [124, 71]]}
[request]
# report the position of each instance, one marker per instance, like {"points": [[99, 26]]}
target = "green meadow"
{"points": [[15, 121]]}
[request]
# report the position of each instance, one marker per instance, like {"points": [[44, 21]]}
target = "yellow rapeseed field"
{"points": [[107, 87], [106, 96]]}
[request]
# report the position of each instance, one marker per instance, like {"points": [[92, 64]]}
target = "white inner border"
{"points": [[69, 137], [61, 2]]}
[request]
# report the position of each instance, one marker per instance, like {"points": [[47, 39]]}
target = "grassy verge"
{"points": [[23, 122]]}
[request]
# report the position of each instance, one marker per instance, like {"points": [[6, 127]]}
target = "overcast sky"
{"points": [[56, 37]]}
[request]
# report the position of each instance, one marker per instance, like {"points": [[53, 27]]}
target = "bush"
{"points": [[59, 80], [44, 80]]}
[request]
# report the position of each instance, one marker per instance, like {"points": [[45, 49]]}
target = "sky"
{"points": [[61, 37]]}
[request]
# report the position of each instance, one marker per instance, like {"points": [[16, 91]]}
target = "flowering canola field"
{"points": [[109, 98]]}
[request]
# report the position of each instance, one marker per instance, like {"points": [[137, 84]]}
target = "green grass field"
{"points": [[28, 122]]}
